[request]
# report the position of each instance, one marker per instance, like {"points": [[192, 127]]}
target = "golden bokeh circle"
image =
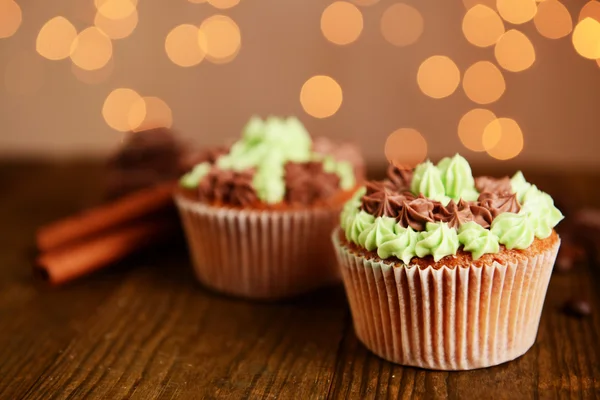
{"points": [[482, 26], [184, 47], [438, 76], [516, 11], [223, 4], [483, 82], [514, 51], [55, 39], [586, 38], [149, 113], [117, 109], [116, 9], [591, 9], [471, 127], [401, 24], [405, 148], [472, 3], [553, 20], [117, 28], [321, 96], [503, 139], [96, 76], [10, 18], [223, 38], [91, 49], [24, 74], [341, 23]]}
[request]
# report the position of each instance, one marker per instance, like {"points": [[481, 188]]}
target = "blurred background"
{"points": [[506, 81]]}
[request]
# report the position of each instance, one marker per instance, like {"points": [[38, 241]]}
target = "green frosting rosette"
{"points": [[452, 179]]}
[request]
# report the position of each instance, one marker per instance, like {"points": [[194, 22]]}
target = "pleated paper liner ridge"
{"points": [[445, 318], [260, 254]]}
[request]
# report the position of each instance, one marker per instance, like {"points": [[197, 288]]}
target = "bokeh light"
{"points": [[24, 74], [341, 23], [472, 3], [483, 82], [514, 51], [117, 107], [223, 38], [591, 9], [553, 20], [586, 38], [438, 77], [10, 18], [186, 45], [517, 11], [197, 1], [401, 24], [55, 39], [471, 127], [503, 139], [365, 3], [223, 4], [482, 26], [91, 49], [149, 113], [117, 28], [321, 96], [116, 9], [405, 148], [96, 76]]}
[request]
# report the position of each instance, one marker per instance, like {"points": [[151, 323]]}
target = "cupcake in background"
{"points": [[258, 218], [446, 271]]}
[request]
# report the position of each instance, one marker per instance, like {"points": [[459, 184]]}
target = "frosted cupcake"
{"points": [[444, 271], [258, 220]]}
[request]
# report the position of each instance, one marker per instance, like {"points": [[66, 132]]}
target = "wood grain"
{"points": [[145, 329]]}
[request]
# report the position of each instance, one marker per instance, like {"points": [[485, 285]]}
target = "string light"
{"points": [[405, 148], [116, 109], [438, 77], [149, 113], [517, 11], [10, 18], [91, 49], [117, 28], [55, 39], [482, 26], [514, 51], [341, 23], [503, 139], [116, 9], [24, 74], [186, 45], [471, 127], [401, 24], [223, 4], [223, 38], [321, 96], [586, 38], [553, 20], [483, 82]]}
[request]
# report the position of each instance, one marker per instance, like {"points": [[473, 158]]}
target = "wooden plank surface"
{"points": [[146, 329]]}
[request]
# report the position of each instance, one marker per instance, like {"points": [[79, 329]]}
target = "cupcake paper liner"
{"points": [[260, 254], [447, 318]]}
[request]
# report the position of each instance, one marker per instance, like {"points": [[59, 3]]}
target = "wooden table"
{"points": [[146, 329]]}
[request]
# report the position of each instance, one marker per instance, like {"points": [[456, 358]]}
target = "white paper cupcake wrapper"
{"points": [[447, 318], [260, 254]]}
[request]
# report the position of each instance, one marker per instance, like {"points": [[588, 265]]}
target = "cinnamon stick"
{"points": [[75, 260], [123, 211]]}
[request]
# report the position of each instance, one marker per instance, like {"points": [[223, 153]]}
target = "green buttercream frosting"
{"points": [[477, 240], [193, 178], [266, 146], [427, 181], [515, 231], [457, 178], [519, 185], [357, 224], [371, 237], [351, 207], [438, 240], [401, 244], [543, 215]]}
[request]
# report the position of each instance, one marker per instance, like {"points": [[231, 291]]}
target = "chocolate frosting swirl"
{"points": [[494, 185], [400, 178], [228, 187], [454, 214], [306, 183], [381, 199], [498, 203], [416, 213]]}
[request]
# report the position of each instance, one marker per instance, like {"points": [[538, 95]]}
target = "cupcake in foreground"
{"points": [[446, 271], [258, 218]]}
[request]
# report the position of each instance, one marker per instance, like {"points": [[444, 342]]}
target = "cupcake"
{"points": [[445, 271], [258, 217]]}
